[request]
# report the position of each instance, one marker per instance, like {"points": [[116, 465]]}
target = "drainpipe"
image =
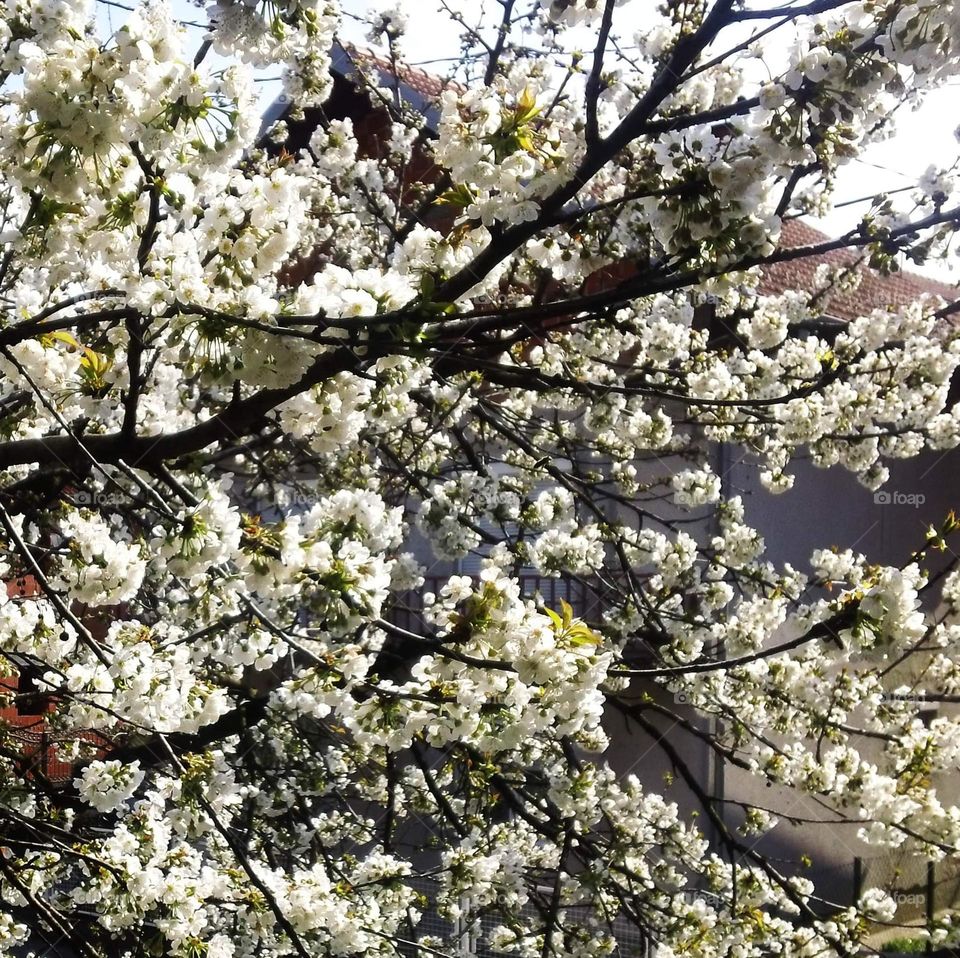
{"points": [[716, 769]]}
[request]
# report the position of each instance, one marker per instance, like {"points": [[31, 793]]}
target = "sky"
{"points": [[924, 136]]}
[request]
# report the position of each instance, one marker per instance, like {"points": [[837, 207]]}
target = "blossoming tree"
{"points": [[235, 377]]}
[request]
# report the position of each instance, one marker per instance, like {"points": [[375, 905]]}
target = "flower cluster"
{"points": [[107, 785]]}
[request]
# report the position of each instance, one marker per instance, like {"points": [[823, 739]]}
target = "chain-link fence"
{"points": [[920, 888]]}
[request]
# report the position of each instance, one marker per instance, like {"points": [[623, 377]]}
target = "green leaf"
{"points": [[570, 629], [48, 339], [580, 635], [427, 285], [557, 621], [527, 107], [461, 196]]}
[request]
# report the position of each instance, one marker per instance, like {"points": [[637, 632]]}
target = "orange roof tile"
{"points": [[875, 290], [426, 84]]}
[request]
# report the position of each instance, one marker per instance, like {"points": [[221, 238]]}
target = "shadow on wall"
{"points": [[828, 507]]}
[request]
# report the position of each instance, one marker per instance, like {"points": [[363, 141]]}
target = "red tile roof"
{"points": [[426, 84], [875, 290]]}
